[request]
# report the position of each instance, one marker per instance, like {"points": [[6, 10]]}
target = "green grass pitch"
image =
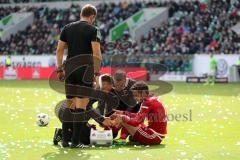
{"points": [[213, 132]]}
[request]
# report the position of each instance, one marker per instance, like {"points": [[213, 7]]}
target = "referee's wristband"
{"points": [[59, 69]]}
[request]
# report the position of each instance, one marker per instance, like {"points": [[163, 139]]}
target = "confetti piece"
{"points": [[183, 153]]}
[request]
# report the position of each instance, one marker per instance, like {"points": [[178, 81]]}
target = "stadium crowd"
{"points": [[193, 28], [48, 20], [4, 11], [196, 28], [4, 1]]}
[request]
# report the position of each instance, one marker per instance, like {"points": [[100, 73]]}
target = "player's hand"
{"points": [[118, 121], [60, 73], [61, 76], [114, 116], [107, 122], [118, 111]]}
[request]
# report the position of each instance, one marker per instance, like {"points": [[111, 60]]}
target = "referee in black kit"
{"points": [[82, 40]]}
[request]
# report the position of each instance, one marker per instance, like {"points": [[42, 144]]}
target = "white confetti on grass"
{"points": [[137, 146], [96, 157], [120, 151], [183, 153], [182, 141], [46, 142], [148, 155], [3, 151], [225, 153], [221, 126], [29, 146], [198, 156]]}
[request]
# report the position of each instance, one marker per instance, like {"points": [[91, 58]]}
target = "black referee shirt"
{"points": [[78, 36]]}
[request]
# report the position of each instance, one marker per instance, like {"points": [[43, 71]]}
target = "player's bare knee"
{"points": [[131, 129]]}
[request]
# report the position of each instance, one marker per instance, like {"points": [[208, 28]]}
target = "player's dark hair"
{"points": [[119, 75], [107, 78], [140, 86], [88, 10]]}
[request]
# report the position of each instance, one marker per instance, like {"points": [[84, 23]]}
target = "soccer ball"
{"points": [[42, 119]]}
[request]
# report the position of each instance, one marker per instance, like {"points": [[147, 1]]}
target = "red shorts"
{"points": [[147, 136]]}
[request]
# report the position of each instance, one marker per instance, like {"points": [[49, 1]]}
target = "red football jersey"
{"points": [[152, 109]]}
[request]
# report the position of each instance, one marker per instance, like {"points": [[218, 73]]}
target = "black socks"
{"points": [[77, 125], [67, 125]]}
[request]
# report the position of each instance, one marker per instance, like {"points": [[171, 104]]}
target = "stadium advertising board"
{"points": [[43, 73]]}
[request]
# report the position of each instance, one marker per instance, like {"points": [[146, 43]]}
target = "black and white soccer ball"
{"points": [[42, 119]]}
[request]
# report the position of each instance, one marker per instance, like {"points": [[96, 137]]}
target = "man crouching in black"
{"points": [[66, 114]]}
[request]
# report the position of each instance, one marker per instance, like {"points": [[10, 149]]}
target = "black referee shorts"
{"points": [[78, 79]]}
